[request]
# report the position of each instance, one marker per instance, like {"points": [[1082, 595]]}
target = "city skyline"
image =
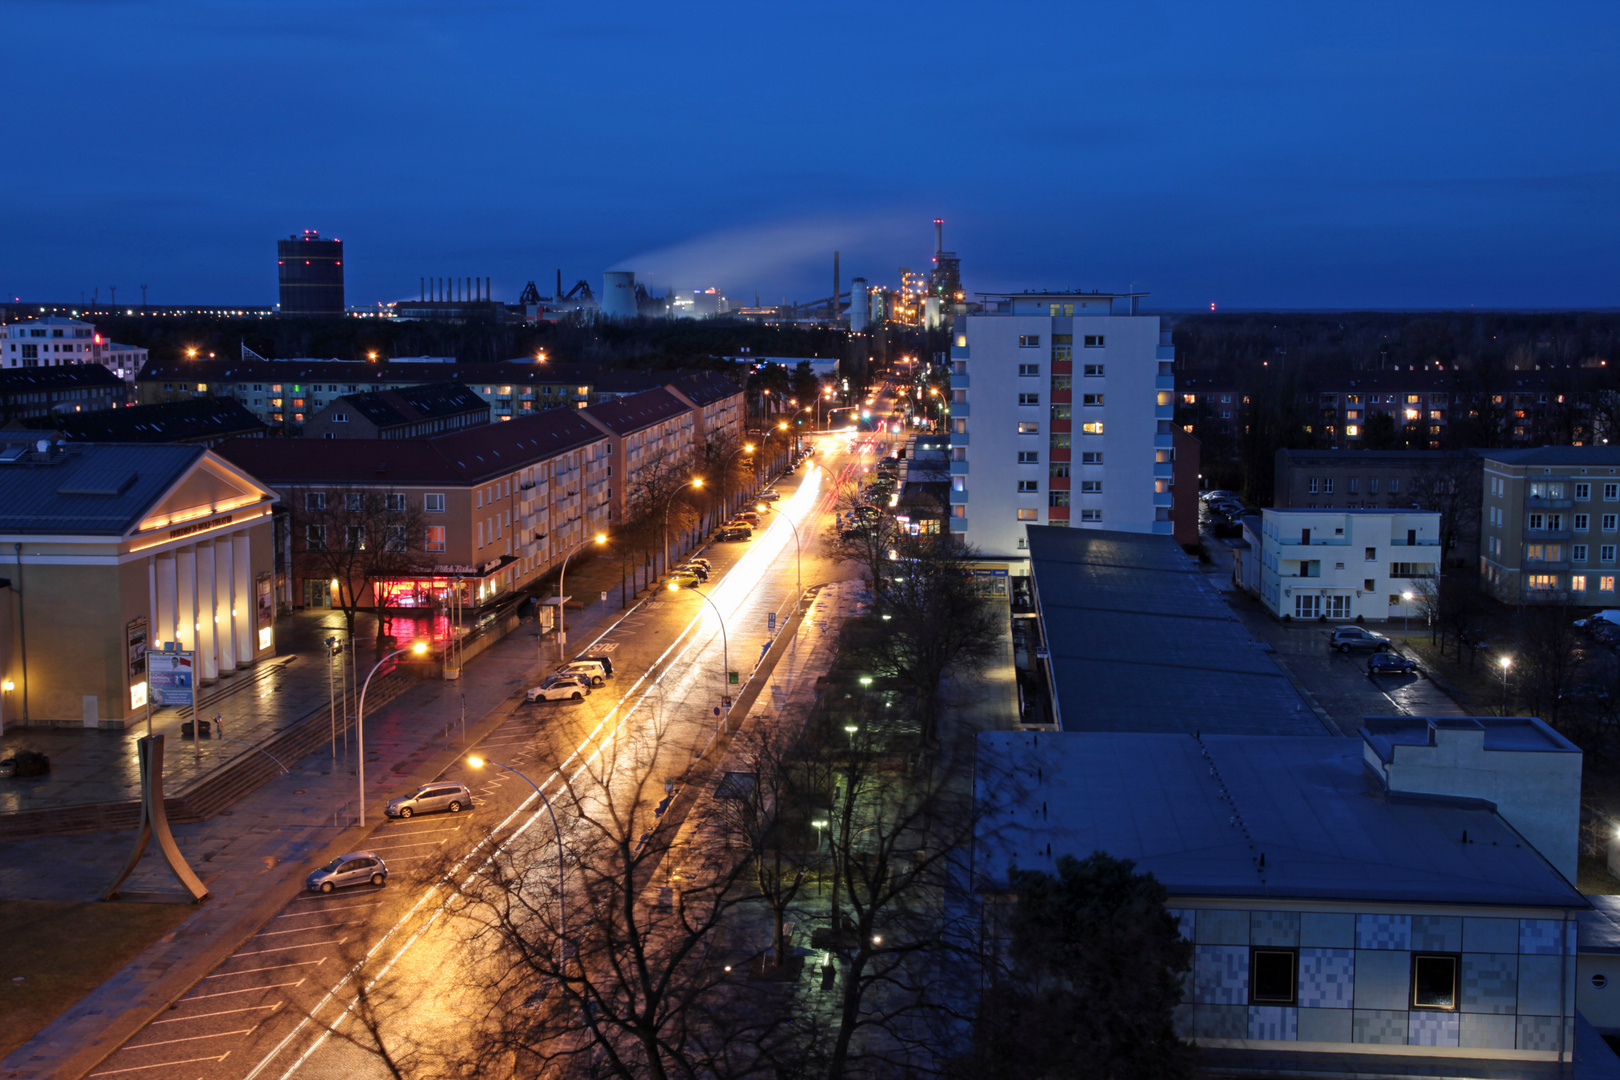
{"points": [[1263, 157]]}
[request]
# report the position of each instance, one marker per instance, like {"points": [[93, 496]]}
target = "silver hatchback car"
{"points": [[355, 868], [430, 798]]}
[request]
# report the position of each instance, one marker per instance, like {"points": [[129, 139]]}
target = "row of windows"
{"points": [[1059, 382], [1033, 341]]}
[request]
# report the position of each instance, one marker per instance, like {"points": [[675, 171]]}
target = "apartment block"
{"points": [[412, 413], [1550, 527], [35, 393], [51, 341], [1060, 414], [1344, 565], [1444, 480]]}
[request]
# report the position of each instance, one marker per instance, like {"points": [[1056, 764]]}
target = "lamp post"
{"points": [[1506, 662], [418, 648], [697, 482], [1407, 597], [562, 910], [725, 462], [798, 551], [725, 647], [562, 622]]}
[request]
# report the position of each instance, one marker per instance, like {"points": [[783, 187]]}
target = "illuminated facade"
{"points": [[54, 341], [112, 547]]}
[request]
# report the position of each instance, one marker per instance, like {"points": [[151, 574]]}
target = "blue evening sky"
{"points": [[1290, 154]]}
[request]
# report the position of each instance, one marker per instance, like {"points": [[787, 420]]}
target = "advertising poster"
{"points": [[169, 674]]}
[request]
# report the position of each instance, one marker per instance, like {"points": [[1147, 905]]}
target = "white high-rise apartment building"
{"points": [[51, 341], [1061, 408]]}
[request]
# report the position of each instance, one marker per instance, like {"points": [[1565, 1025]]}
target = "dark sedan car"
{"points": [[1386, 663]]}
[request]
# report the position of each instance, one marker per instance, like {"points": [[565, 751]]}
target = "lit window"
{"points": [[1029, 427], [1352, 430], [1577, 583], [1093, 428], [1029, 515], [1606, 583]]}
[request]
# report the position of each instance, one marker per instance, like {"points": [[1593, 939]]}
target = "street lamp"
{"points": [[418, 649], [725, 647], [1506, 662], [798, 552], [562, 622], [697, 482], [1408, 598], [562, 909], [850, 730]]}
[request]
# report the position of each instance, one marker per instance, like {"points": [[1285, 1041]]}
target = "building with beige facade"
{"points": [[110, 548], [1550, 525]]}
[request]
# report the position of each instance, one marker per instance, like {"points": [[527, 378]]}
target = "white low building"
{"points": [[51, 341], [1346, 564]]}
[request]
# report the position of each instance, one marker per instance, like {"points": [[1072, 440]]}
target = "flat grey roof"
{"points": [[1556, 455], [1520, 733], [1600, 928], [1200, 812], [1139, 641]]}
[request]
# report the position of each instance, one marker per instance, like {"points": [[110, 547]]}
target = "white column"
{"points": [[207, 613], [167, 602], [224, 603], [247, 642], [151, 600], [185, 575]]}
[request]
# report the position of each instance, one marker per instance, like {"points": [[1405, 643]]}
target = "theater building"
{"points": [[109, 547]]}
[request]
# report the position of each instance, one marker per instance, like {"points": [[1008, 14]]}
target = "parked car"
{"points": [[589, 669], [770, 495], [1351, 638], [1218, 493], [867, 511], [682, 579], [355, 868], [560, 688], [1608, 615], [748, 517], [607, 664], [705, 563], [1388, 663], [431, 798], [732, 533], [693, 568]]}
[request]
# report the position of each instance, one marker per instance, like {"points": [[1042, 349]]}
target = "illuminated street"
{"points": [[251, 1016]]}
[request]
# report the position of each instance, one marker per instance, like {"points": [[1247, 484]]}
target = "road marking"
{"points": [[424, 843], [222, 1012], [272, 967], [323, 896], [247, 990], [286, 948], [304, 929], [191, 1038], [324, 910], [162, 1065]]}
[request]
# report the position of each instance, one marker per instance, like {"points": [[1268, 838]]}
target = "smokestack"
{"points": [[939, 237], [422, 290], [559, 283], [832, 305], [486, 287]]}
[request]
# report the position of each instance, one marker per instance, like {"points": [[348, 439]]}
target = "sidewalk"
{"points": [[253, 857]]}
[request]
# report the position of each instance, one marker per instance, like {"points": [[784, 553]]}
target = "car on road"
{"points": [[355, 868], [589, 669], [683, 579], [432, 798], [1388, 663], [560, 688], [1219, 493], [732, 533], [770, 496], [1352, 638]]}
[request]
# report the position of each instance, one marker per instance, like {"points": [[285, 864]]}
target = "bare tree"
{"points": [[355, 537], [1451, 485], [637, 982]]}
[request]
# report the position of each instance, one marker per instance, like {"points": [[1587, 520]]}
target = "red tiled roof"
{"points": [[631, 414]]}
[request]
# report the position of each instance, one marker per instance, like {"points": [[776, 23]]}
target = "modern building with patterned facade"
{"points": [[111, 547], [1347, 917]]}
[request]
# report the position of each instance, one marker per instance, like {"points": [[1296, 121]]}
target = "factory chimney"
{"points": [[832, 305], [939, 238]]}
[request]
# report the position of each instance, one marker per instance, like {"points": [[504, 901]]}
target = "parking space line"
{"points": [[190, 1038], [324, 910], [320, 896], [245, 990], [287, 948], [391, 847], [305, 929], [272, 967], [222, 1012], [162, 1065]]}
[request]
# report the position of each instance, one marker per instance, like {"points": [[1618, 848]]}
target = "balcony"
{"points": [[959, 380], [959, 468], [959, 525], [1163, 498], [1164, 412], [958, 498], [1164, 528], [1164, 382], [1059, 483], [1532, 504], [1062, 397], [959, 408], [1548, 534], [1163, 440], [960, 438], [1163, 470], [1165, 352]]}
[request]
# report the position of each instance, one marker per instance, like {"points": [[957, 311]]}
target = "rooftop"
{"points": [[1236, 816], [1556, 455], [387, 408], [80, 489], [170, 421], [1517, 733], [631, 414], [1140, 642], [63, 376]]}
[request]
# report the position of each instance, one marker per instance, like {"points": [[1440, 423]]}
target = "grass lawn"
{"points": [[63, 951]]}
